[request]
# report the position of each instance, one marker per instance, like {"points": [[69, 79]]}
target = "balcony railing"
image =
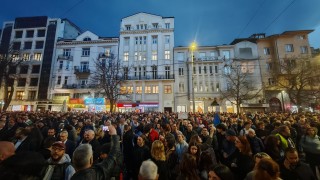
{"points": [[63, 57], [78, 86], [150, 77], [81, 71]]}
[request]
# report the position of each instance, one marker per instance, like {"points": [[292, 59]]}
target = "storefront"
{"points": [[137, 107]]}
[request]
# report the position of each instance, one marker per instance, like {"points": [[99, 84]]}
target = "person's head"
{"points": [[291, 157], [104, 150], [188, 165], [195, 139], [157, 150], [221, 128], [82, 157], [6, 150], [173, 127], [140, 141], [247, 124], [170, 141], [21, 132], [204, 131], [267, 169], [63, 135], [272, 141], [48, 141], [261, 155], [243, 145], [261, 125], [57, 151], [148, 171], [180, 137], [220, 172], [230, 135], [251, 133], [51, 132], [311, 131], [284, 131], [194, 149], [189, 127], [89, 135], [2, 124]]}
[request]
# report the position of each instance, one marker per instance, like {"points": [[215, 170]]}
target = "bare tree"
{"points": [[240, 85], [300, 78], [108, 77], [9, 62]]}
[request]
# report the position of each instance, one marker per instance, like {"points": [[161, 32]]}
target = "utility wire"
{"points": [[74, 6], [283, 11]]}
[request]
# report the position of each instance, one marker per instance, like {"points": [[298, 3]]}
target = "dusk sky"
{"points": [[209, 22]]}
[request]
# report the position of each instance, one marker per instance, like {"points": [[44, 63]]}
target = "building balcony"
{"points": [[207, 58], [160, 77], [78, 86], [81, 72], [63, 57]]}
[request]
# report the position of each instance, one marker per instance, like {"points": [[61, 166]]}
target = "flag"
{"points": [[216, 119]]}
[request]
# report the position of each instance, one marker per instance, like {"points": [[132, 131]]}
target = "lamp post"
{"points": [[193, 46], [283, 110]]}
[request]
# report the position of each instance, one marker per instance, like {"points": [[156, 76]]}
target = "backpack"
{"points": [[59, 171]]}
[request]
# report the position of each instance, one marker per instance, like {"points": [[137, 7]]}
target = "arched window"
{"points": [[86, 39]]}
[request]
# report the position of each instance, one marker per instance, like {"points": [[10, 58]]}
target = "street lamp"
{"points": [[283, 110], [193, 47]]}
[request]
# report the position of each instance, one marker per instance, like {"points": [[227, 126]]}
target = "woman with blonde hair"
{"points": [[158, 156]]}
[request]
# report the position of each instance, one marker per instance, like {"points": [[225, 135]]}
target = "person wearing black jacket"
{"points": [[83, 160]]}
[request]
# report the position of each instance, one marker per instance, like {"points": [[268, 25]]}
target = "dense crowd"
{"points": [[159, 145]]}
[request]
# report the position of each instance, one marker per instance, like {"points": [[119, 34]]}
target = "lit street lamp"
{"points": [[193, 47]]}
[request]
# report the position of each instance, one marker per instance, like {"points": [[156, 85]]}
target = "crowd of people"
{"points": [[159, 145]]}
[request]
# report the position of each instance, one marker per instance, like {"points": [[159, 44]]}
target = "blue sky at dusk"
{"points": [[209, 22]]}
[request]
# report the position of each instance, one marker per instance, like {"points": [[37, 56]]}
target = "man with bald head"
{"points": [[6, 150]]}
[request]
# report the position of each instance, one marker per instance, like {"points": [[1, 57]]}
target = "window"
{"points": [[16, 46], [24, 69], [303, 49], [19, 95], [136, 40], [37, 56], [28, 45], [26, 56], [213, 54], [33, 82], [84, 66], [126, 56], [217, 86], [68, 65], [15, 57], [86, 39], [167, 55], [66, 80], [35, 69], [130, 89], [66, 52], [215, 69], [126, 41], [144, 71], [199, 67], [266, 51], [32, 95], [301, 37], [181, 87], [180, 56], [39, 44], [125, 72], [154, 39], [289, 47], [85, 51], [12, 70], [135, 56], [139, 89], [18, 34], [167, 72], [212, 86], [30, 34], [140, 40], [155, 25], [144, 39], [128, 27], [210, 69], [167, 39], [226, 54], [154, 55], [59, 80], [194, 70], [147, 89], [41, 33], [135, 71], [154, 72], [180, 71], [205, 69], [22, 82], [167, 25], [60, 65], [167, 89], [155, 89]]}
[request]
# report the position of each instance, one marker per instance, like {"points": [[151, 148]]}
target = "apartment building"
{"points": [[73, 67], [146, 52], [33, 39]]}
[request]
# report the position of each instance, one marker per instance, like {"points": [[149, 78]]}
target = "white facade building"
{"points": [[74, 64], [146, 51]]}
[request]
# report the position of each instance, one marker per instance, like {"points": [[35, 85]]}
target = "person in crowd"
{"points": [[188, 168], [257, 157], [52, 132], [127, 143], [70, 145], [47, 146], [228, 147], [261, 132], [194, 150], [83, 160], [310, 142], [151, 133], [272, 147], [59, 163], [285, 139], [171, 155], [89, 138], [189, 132], [181, 145], [158, 156], [292, 168], [220, 172], [245, 130], [242, 162], [141, 152], [267, 169], [205, 162], [24, 141], [148, 171], [6, 150], [255, 142], [9, 130]]}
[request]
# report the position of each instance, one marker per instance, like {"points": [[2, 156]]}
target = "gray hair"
{"points": [[82, 155], [64, 132], [148, 170]]}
